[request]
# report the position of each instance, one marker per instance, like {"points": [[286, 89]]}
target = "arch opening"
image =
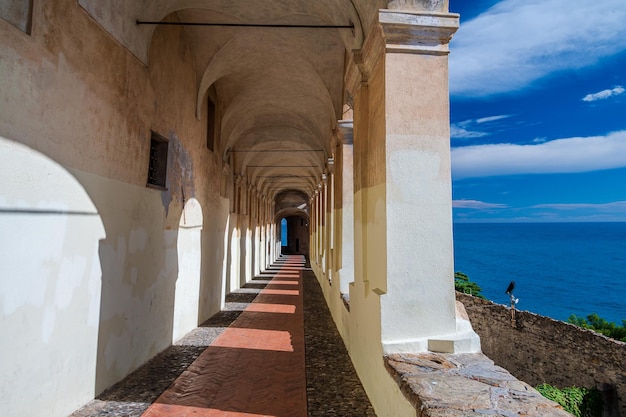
{"points": [[295, 230]]}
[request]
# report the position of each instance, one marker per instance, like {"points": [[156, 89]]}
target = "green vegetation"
{"points": [[463, 284], [581, 402], [600, 325]]}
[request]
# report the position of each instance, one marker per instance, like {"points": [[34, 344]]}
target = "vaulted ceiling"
{"points": [[279, 89]]}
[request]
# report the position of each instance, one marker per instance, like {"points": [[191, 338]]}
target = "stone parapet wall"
{"points": [[465, 385], [541, 349]]}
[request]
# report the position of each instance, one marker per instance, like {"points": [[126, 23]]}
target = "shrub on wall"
{"points": [[600, 325], [463, 284], [581, 402]]}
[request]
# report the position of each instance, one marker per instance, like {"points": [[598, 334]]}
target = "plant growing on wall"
{"points": [[463, 284], [581, 402], [600, 325]]}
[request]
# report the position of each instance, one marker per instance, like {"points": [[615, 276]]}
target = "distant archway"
{"points": [[283, 232], [296, 231]]}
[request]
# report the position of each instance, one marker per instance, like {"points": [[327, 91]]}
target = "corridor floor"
{"points": [[273, 351]]}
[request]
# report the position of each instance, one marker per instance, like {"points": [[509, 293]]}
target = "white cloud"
{"points": [[492, 118], [604, 94], [517, 42], [457, 131], [580, 154], [615, 206], [462, 129], [475, 204]]}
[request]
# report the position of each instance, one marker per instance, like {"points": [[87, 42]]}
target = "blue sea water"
{"points": [[559, 268]]}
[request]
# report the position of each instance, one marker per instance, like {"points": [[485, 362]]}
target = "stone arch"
{"points": [[47, 217]]}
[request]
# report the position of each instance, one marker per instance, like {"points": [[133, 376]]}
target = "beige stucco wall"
{"points": [[87, 298]]}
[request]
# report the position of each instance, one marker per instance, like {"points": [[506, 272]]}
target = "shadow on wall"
{"points": [[151, 264], [156, 268], [139, 259], [92, 283], [49, 285]]}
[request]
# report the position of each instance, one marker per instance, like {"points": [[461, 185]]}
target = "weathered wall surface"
{"points": [[94, 286], [542, 350]]}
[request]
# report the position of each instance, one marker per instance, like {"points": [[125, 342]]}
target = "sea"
{"points": [[559, 269]]}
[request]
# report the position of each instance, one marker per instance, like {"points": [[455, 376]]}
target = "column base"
{"points": [[457, 343], [454, 343], [464, 340]]}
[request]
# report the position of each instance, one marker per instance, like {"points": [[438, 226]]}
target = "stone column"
{"points": [[325, 222], [345, 215], [418, 308], [247, 235], [256, 232], [318, 226], [262, 230]]}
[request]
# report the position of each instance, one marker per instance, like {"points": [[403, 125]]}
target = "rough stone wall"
{"points": [[541, 349]]}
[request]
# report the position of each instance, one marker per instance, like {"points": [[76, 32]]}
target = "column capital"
{"points": [[432, 5], [418, 32], [368, 56]]}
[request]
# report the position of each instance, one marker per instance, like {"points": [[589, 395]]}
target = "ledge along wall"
{"points": [[541, 349]]}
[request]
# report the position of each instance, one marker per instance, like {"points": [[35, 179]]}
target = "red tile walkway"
{"points": [[256, 367]]}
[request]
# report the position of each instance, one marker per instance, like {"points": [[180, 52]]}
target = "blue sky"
{"points": [[538, 110]]}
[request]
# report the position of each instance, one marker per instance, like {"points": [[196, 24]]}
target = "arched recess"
{"points": [[50, 285], [189, 247]]}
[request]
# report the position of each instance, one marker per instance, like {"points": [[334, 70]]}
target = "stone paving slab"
{"points": [[332, 387], [256, 366], [465, 385]]}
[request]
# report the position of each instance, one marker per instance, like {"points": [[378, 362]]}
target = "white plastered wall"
{"points": [[49, 286], [189, 269], [139, 269]]}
